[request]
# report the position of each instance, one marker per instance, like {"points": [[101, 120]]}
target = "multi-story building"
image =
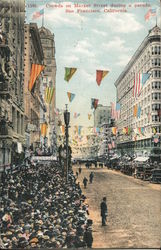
{"points": [[48, 44], [33, 100], [102, 119], [146, 59], [102, 115], [12, 16]]}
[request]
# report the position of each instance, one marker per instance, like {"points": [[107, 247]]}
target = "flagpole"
{"points": [[43, 19]]}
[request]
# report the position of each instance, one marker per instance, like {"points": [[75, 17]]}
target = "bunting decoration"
{"points": [[100, 74], [70, 96], [69, 72], [141, 130], [38, 14], [49, 94], [76, 115], [43, 129], [114, 130], [139, 112], [89, 116], [135, 110], [94, 103], [79, 130], [149, 14], [36, 69], [156, 139], [63, 129], [154, 131]]}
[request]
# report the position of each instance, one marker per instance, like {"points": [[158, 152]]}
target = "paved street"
{"points": [[134, 209]]}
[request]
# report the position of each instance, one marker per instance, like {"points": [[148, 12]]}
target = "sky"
{"points": [[92, 41]]}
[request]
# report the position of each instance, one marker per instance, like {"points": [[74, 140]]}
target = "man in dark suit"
{"points": [[103, 207]]}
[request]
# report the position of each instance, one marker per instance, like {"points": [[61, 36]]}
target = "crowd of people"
{"points": [[39, 209]]}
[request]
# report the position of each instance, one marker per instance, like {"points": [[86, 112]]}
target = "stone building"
{"points": [[33, 101], [12, 16], [146, 59], [48, 44]]}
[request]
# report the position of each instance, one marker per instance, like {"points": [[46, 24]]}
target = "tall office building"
{"points": [[12, 141], [140, 115]]}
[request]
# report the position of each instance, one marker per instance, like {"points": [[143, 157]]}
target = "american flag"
{"points": [[150, 13], [137, 84], [38, 14]]}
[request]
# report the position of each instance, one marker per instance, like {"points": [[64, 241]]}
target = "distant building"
{"points": [[48, 44], [146, 127], [33, 100], [102, 115], [12, 140]]}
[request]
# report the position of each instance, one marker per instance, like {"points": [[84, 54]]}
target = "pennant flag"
{"points": [[89, 116], [128, 131], [49, 94], [56, 110], [139, 130], [114, 130], [38, 14], [69, 72], [94, 103], [144, 78], [43, 129], [149, 14], [154, 130], [135, 110], [142, 130], [63, 129], [100, 74], [76, 115], [79, 130], [35, 72], [70, 96], [139, 112]]}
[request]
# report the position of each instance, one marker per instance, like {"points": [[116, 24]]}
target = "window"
{"points": [[156, 73]]}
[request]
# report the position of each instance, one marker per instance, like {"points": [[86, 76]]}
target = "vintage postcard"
{"points": [[80, 124]]}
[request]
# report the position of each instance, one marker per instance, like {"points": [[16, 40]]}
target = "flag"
{"points": [[94, 103], [139, 112], [56, 110], [49, 94], [114, 130], [70, 96], [35, 72], [69, 72], [142, 130], [149, 14], [156, 138], [76, 115], [135, 110], [139, 81], [100, 74], [38, 14], [63, 129], [89, 116], [76, 128], [154, 130], [43, 129], [79, 130], [117, 115]]}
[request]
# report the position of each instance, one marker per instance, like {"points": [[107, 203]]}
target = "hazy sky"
{"points": [[91, 41]]}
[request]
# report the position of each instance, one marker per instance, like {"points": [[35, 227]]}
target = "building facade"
{"points": [[102, 115], [33, 100], [48, 44], [141, 130], [12, 141]]}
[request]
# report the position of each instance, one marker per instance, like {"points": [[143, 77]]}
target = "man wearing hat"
{"points": [[103, 207]]}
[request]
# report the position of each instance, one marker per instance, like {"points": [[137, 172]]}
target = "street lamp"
{"points": [[66, 120]]}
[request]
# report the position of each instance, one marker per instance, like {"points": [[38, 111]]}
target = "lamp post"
{"points": [[66, 120]]}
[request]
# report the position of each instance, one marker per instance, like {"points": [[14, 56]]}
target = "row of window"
{"points": [[156, 118], [156, 96], [156, 50], [156, 73], [156, 62], [156, 85], [156, 106]]}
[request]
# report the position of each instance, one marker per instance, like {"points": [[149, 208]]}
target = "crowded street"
{"points": [[134, 209]]}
